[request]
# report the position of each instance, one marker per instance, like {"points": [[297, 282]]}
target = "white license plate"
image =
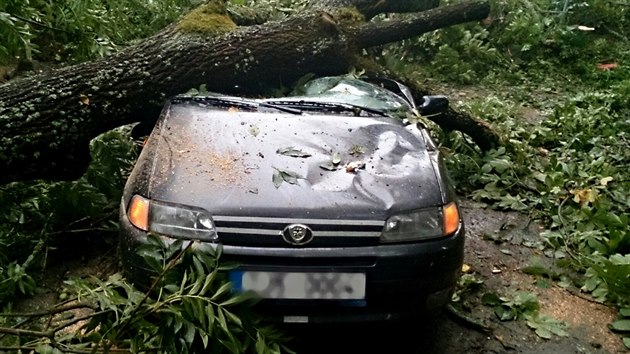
{"points": [[297, 285]]}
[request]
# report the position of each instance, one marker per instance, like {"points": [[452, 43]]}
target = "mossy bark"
{"points": [[47, 121]]}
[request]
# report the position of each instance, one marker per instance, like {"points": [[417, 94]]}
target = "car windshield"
{"points": [[332, 93], [350, 91]]}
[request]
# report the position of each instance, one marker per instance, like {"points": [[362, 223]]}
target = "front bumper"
{"points": [[401, 279]]}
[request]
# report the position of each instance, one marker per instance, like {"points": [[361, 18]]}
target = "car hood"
{"points": [[231, 162]]}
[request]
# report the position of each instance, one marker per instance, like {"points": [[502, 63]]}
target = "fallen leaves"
{"points": [[292, 152], [280, 176]]}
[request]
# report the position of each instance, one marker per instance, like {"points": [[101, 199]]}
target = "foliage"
{"points": [[520, 37], [466, 284], [569, 171], [524, 305], [189, 307], [76, 30], [622, 325], [36, 214]]}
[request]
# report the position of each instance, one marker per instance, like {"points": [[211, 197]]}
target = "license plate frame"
{"points": [[301, 285]]}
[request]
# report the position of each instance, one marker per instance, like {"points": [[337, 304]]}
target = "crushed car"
{"points": [[333, 204]]}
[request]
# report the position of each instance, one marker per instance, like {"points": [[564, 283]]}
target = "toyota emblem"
{"points": [[297, 234]]}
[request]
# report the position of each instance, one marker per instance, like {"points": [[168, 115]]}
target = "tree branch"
{"points": [[378, 33], [48, 120], [51, 311]]}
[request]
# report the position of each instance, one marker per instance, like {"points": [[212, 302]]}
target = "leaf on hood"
{"points": [[290, 151], [328, 166], [277, 179], [254, 130], [336, 158], [280, 176]]}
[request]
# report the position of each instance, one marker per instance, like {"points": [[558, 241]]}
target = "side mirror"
{"points": [[433, 105]]}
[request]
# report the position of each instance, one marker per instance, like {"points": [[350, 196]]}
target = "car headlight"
{"points": [[172, 220], [421, 224]]}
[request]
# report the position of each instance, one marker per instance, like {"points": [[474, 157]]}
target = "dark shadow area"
{"points": [[436, 334]]}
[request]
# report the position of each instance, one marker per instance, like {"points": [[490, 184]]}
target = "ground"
{"points": [[498, 265], [498, 245]]}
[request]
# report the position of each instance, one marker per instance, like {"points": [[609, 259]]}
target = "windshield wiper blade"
{"points": [[329, 106], [219, 101], [238, 102], [280, 107]]}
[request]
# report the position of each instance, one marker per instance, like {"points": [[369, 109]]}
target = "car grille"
{"points": [[267, 232]]}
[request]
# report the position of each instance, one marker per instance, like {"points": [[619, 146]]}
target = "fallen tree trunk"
{"points": [[47, 121]]}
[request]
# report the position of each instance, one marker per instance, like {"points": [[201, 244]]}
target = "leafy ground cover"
{"points": [[553, 77]]}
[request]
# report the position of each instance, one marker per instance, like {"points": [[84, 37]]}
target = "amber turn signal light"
{"points": [[138, 212], [451, 218]]}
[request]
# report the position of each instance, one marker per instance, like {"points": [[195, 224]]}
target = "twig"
{"points": [[26, 332], [78, 319], [24, 19], [471, 322], [615, 33], [43, 237], [67, 350], [50, 311]]}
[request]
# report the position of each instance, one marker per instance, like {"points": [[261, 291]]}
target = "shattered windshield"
{"points": [[326, 93], [345, 90]]}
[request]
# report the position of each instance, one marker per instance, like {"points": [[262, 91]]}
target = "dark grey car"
{"points": [[335, 207]]}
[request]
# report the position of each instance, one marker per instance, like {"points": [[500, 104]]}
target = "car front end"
{"points": [[330, 216]]}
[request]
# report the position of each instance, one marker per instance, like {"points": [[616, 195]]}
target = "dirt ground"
{"points": [[499, 245]]}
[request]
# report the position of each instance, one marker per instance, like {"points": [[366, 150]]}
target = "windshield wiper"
{"points": [[280, 107], [237, 102], [328, 106], [218, 101]]}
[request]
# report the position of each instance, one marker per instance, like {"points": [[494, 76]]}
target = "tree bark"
{"points": [[47, 121]]}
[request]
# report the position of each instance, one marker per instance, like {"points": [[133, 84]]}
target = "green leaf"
{"points": [[239, 299], [504, 313], [210, 313], [208, 282], [491, 299], [222, 322], [189, 336], [620, 326], [290, 151], [204, 339], [289, 177], [546, 326], [620, 260], [280, 176], [625, 312], [626, 342], [277, 179], [261, 346], [226, 287], [233, 318]]}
